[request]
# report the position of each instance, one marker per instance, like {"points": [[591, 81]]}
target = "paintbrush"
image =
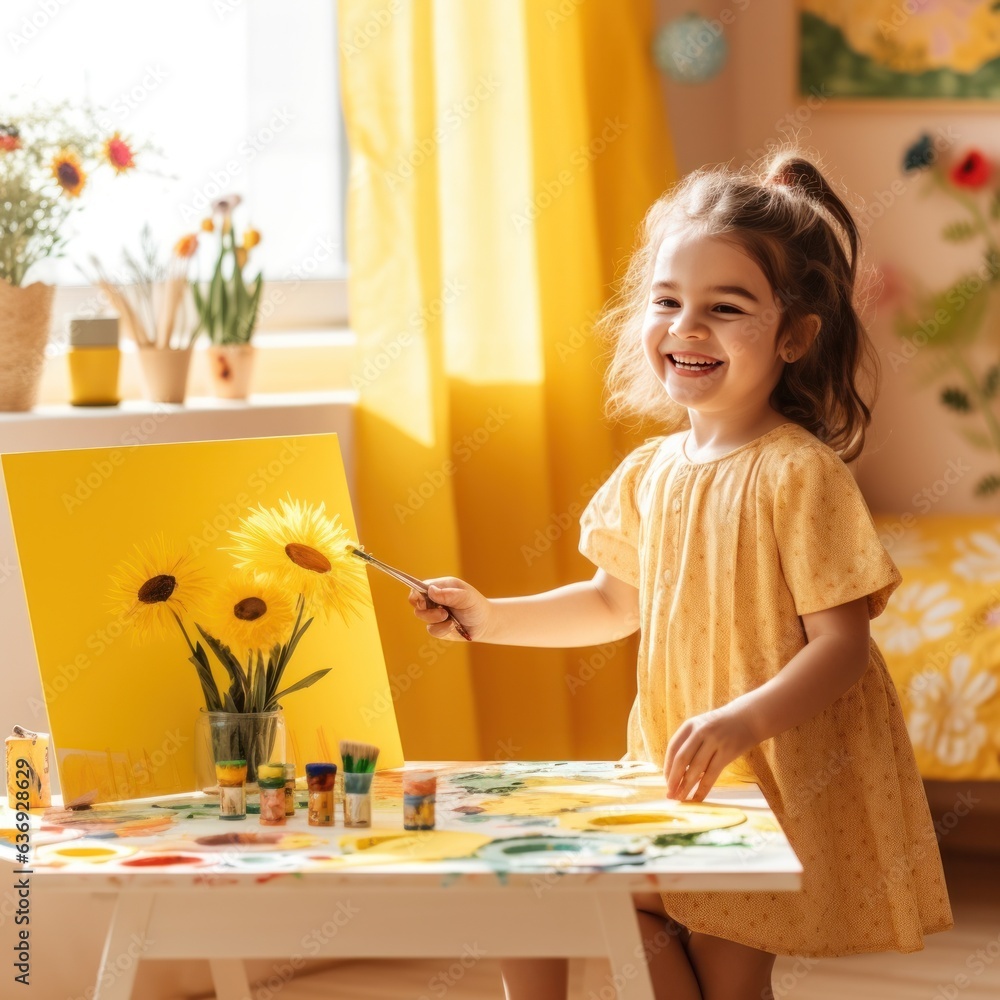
{"points": [[412, 581], [359, 758], [359, 770]]}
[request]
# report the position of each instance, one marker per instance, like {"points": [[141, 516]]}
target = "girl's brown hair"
{"points": [[788, 219]]}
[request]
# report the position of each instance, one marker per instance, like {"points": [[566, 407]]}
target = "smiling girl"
{"points": [[742, 549]]}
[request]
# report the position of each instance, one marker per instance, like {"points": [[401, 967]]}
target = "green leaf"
{"points": [[956, 399], [304, 683], [232, 665], [988, 485], [958, 232], [259, 688], [995, 205], [953, 316]]}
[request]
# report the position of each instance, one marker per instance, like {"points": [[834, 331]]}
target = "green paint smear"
{"points": [[710, 838], [480, 783]]}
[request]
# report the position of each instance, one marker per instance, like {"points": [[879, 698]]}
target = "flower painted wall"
{"points": [[918, 461]]}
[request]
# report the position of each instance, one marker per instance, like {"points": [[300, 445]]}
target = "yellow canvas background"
{"points": [[122, 716]]}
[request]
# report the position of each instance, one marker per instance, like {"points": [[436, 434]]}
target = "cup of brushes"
{"points": [[359, 769]]}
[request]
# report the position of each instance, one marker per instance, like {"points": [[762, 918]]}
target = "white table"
{"points": [[303, 903]]}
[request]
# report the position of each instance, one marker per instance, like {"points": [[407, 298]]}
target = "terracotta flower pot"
{"points": [[231, 366], [25, 317], [165, 374]]}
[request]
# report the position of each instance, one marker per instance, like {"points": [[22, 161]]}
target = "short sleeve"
{"points": [[609, 525], [829, 549]]}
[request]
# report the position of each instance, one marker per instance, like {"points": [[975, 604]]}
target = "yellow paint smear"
{"points": [[653, 821], [392, 847]]}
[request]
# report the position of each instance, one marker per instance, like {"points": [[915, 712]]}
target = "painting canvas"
{"points": [[891, 51], [122, 714]]}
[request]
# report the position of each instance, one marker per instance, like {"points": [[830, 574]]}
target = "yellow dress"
{"points": [[727, 554]]}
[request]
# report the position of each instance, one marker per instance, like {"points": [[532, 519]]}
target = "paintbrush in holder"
{"points": [[359, 770]]}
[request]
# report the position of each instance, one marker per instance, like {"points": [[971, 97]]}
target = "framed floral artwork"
{"points": [[889, 52]]}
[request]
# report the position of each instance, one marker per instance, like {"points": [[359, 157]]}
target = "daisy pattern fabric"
{"points": [[727, 555], [941, 637]]}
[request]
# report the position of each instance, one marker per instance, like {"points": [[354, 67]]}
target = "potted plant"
{"points": [[228, 306], [46, 159], [290, 563], [152, 303]]}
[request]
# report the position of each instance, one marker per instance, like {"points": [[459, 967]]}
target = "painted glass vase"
{"points": [[256, 737]]}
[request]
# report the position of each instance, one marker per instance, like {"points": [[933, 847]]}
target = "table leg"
{"points": [[230, 979], [124, 946], [629, 975]]}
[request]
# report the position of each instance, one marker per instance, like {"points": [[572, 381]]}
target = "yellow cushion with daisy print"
{"points": [[940, 636]]}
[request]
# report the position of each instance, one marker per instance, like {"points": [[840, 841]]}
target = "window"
{"points": [[236, 96]]}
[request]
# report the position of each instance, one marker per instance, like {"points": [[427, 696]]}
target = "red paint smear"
{"points": [[267, 878], [162, 861], [226, 839]]}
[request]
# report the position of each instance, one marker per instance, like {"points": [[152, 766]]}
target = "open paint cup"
{"points": [[419, 791]]}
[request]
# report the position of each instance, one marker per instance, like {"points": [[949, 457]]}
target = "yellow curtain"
{"points": [[502, 154]]}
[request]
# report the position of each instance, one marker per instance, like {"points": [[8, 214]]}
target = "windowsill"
{"points": [[289, 363], [193, 404]]}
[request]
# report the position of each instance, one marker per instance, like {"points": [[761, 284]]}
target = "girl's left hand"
{"points": [[702, 747]]}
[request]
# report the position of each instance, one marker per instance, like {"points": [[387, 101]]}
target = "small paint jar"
{"points": [[419, 791], [320, 779], [289, 789], [94, 359], [358, 799], [232, 778], [271, 782], [27, 758]]}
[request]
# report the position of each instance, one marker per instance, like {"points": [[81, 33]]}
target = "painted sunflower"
{"points": [[253, 613], [68, 172], [119, 154], [306, 552], [154, 585]]}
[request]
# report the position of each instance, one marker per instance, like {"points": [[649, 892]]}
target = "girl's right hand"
{"points": [[466, 603]]}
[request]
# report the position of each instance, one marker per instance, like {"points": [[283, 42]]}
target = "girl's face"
{"points": [[711, 326]]}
